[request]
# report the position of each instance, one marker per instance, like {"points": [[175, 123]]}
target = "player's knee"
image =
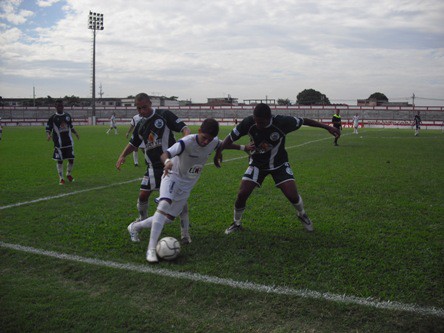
{"points": [[144, 196], [162, 208]]}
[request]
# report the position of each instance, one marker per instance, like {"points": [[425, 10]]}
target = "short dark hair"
{"points": [[210, 126], [142, 97], [262, 110]]}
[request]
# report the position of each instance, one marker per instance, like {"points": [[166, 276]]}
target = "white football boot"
{"points": [[133, 233], [151, 256]]}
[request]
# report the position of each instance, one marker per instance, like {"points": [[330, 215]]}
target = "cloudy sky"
{"points": [[248, 49]]}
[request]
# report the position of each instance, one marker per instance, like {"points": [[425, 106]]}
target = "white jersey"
{"points": [[355, 121], [188, 159], [112, 121], [135, 120]]}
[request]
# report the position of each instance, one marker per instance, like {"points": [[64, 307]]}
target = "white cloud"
{"points": [[46, 3], [247, 48], [10, 12]]}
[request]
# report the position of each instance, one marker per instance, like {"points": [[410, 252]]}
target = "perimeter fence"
{"points": [[382, 116]]}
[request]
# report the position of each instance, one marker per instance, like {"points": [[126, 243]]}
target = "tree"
{"points": [[380, 97], [282, 101], [312, 97], [72, 100]]}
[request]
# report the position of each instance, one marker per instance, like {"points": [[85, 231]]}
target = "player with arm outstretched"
{"points": [[268, 157]]}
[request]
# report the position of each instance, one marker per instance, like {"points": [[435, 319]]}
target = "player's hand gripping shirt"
{"points": [[269, 142], [156, 132], [188, 159], [60, 126]]}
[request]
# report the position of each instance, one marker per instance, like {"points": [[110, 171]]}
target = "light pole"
{"points": [[95, 23]]}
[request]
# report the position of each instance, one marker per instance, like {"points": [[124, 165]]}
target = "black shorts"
{"points": [[280, 175], [60, 154], [151, 179]]}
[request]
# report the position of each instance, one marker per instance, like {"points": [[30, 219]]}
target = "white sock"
{"points": [[136, 157], [184, 223], [159, 221], [142, 208], [144, 224], [60, 170], [299, 206], [238, 215], [69, 168]]}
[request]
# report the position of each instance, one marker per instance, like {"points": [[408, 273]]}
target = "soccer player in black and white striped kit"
{"points": [[268, 157]]}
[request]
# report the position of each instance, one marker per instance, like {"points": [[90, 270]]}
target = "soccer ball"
{"points": [[168, 248]]}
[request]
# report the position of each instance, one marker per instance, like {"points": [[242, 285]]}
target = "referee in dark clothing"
{"points": [[336, 120]]}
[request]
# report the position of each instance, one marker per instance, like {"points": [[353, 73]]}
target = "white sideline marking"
{"points": [[303, 293], [129, 181], [65, 194]]}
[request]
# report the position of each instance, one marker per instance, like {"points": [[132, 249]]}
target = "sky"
{"points": [[245, 49]]}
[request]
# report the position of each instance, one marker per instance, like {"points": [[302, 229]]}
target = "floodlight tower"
{"points": [[95, 22]]}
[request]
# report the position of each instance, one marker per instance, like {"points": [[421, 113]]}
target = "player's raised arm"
{"points": [[313, 123]]}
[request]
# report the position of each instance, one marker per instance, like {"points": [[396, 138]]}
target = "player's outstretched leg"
{"points": [[134, 235]]}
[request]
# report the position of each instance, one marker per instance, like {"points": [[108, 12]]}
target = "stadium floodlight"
{"points": [[95, 22]]}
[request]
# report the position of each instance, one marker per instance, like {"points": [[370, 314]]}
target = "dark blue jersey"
{"points": [[60, 126], [270, 150], [417, 120], [156, 132]]}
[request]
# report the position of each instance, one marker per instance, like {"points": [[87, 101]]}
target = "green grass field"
{"points": [[373, 264]]}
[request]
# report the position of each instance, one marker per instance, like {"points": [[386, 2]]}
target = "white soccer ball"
{"points": [[168, 248]]}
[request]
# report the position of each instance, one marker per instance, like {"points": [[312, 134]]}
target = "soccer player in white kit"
{"points": [[112, 124], [355, 123], [183, 164]]}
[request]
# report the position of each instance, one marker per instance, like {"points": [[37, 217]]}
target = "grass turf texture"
{"points": [[376, 202]]}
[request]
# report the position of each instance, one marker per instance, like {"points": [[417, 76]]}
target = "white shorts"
{"points": [[170, 189]]}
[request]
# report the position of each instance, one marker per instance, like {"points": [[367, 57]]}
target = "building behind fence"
{"points": [[387, 116]]}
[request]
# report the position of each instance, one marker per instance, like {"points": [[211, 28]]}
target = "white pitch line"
{"points": [[65, 194], [121, 183], [303, 293]]}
